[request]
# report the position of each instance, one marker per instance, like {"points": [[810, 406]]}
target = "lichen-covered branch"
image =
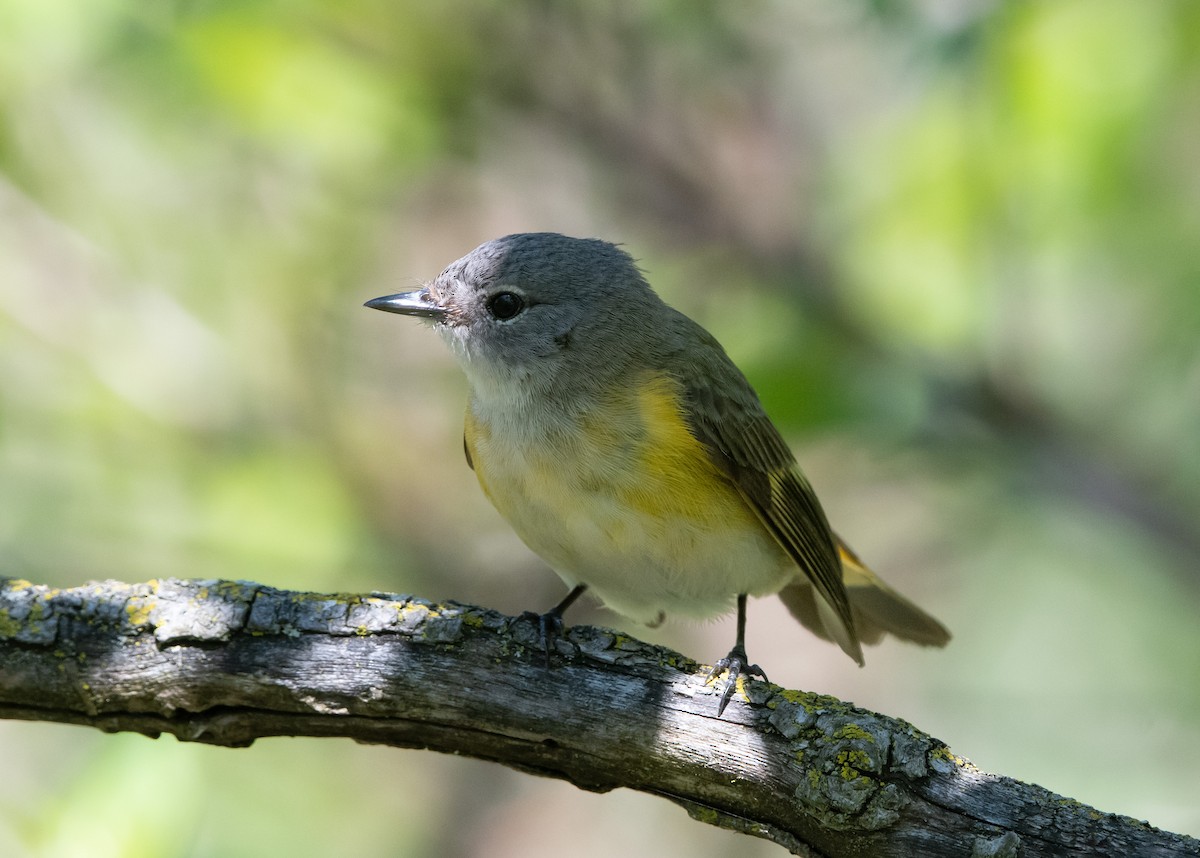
{"points": [[228, 662]]}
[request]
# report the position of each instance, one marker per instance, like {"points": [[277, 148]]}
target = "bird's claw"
{"points": [[737, 665], [549, 626]]}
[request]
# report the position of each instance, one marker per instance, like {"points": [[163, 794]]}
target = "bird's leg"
{"points": [[736, 663], [550, 624]]}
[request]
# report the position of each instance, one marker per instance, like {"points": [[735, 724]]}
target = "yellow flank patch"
{"points": [[674, 474], [476, 433], [633, 449]]}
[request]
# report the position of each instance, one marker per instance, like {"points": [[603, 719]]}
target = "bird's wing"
{"points": [[725, 414]]}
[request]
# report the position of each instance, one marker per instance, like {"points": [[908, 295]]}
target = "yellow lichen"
{"points": [[679, 662], [800, 698], [137, 612], [944, 753], [8, 626], [853, 731], [852, 764], [405, 609]]}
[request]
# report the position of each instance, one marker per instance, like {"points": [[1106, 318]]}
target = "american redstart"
{"points": [[630, 453]]}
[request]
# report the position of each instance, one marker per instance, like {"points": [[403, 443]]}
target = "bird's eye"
{"points": [[505, 305]]}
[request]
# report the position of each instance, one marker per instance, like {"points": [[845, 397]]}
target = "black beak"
{"points": [[418, 303]]}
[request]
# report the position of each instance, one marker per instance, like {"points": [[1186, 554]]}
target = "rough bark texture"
{"points": [[226, 662]]}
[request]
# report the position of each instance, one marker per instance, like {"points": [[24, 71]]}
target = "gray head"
{"points": [[526, 311]]}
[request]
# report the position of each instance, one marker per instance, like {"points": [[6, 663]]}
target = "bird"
{"points": [[628, 451]]}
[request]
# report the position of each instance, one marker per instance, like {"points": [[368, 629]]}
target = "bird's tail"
{"points": [[876, 607]]}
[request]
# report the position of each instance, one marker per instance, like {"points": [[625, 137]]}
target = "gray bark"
{"points": [[227, 662]]}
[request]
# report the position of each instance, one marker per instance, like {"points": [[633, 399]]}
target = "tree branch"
{"points": [[227, 662]]}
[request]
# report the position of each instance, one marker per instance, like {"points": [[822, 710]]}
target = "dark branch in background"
{"points": [[227, 662]]}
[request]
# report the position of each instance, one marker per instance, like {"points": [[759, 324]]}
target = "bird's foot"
{"points": [[549, 626], [737, 665]]}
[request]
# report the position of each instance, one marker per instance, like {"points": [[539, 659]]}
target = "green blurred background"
{"points": [[955, 245]]}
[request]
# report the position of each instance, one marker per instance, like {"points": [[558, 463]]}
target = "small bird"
{"points": [[628, 451]]}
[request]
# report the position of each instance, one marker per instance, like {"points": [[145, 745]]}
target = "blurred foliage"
{"points": [[955, 244]]}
